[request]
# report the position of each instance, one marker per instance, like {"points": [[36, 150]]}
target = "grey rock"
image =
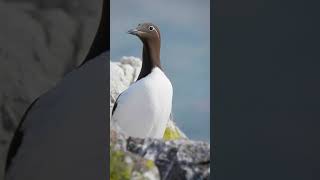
{"points": [[176, 159], [179, 159]]}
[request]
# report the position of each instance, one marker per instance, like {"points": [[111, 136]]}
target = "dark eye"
{"points": [[151, 28], [139, 24]]}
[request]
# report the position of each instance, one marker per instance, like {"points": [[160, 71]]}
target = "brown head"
{"points": [[149, 34]]}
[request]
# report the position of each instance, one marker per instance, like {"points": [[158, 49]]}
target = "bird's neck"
{"points": [[150, 59]]}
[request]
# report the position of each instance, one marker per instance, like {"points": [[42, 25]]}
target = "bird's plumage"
{"points": [[144, 108]]}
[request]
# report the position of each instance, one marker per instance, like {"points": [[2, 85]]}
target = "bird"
{"points": [[63, 133], [144, 108]]}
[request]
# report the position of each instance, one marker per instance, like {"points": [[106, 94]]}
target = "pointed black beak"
{"points": [[133, 31]]}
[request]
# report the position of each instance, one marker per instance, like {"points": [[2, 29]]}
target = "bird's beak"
{"points": [[133, 31]]}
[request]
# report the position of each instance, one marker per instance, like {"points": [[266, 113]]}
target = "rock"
{"points": [[173, 132], [178, 159], [126, 165], [174, 159]]}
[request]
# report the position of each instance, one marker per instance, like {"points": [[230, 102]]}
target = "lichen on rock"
{"points": [[127, 165], [120, 168], [171, 134]]}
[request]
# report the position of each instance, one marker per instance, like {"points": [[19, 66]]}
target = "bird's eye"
{"points": [[151, 28], [139, 24]]}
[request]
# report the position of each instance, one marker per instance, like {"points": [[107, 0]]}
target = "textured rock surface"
{"points": [[174, 159], [179, 158], [40, 41], [127, 165]]}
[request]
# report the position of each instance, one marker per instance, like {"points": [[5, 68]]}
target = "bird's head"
{"points": [[147, 32]]}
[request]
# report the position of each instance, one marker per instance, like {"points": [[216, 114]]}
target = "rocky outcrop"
{"points": [[175, 159], [125, 165], [174, 156], [158, 158]]}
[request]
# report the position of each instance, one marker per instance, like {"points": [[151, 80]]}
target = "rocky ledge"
{"points": [[173, 157]]}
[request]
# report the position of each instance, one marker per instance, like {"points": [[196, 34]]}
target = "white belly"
{"points": [[144, 109]]}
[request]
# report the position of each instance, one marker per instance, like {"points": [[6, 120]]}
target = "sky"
{"points": [[185, 53]]}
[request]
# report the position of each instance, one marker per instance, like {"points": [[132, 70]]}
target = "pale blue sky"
{"points": [[185, 52]]}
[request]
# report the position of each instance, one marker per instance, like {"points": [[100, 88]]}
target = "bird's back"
{"points": [[144, 108]]}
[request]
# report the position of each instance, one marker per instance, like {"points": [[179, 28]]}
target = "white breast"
{"points": [[143, 109]]}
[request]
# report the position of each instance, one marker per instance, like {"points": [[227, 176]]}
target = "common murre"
{"points": [[63, 134], [143, 109]]}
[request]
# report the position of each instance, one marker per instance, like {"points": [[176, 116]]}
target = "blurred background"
{"points": [[185, 53], [40, 41]]}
